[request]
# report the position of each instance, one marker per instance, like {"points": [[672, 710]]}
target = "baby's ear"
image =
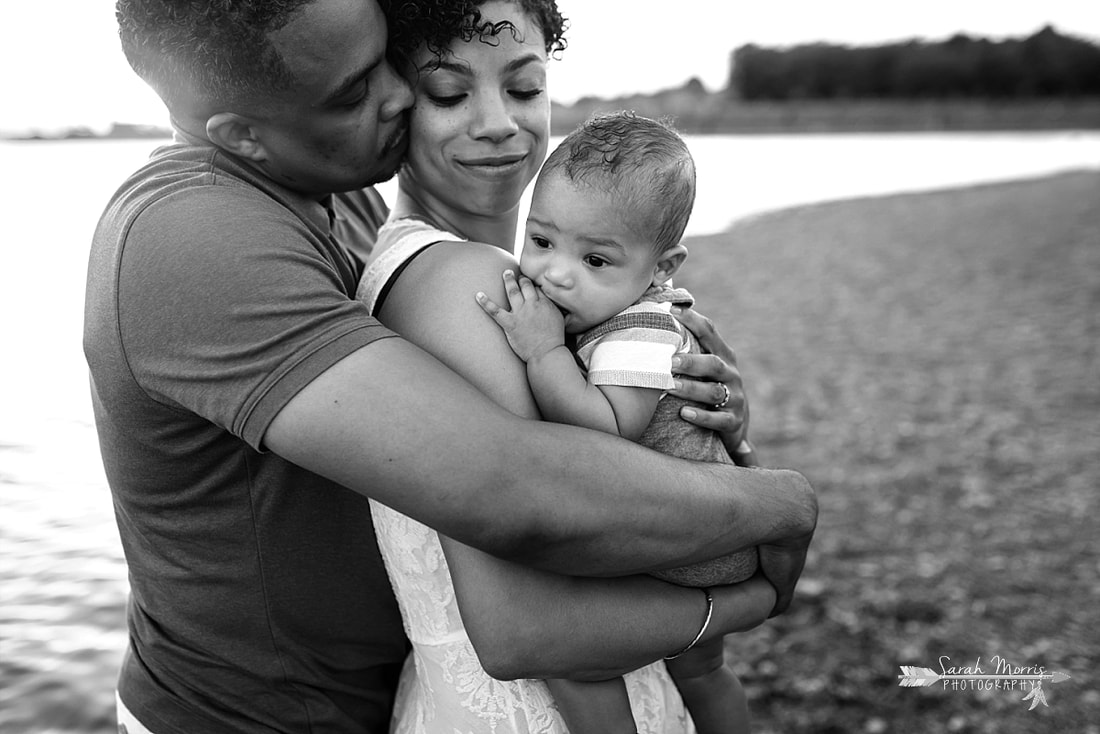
{"points": [[668, 263]]}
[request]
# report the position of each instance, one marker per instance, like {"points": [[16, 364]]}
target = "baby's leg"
{"points": [[593, 707], [712, 693]]}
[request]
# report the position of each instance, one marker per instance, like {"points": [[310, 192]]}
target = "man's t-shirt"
{"points": [[258, 599]]}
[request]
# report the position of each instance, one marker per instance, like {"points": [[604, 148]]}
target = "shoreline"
{"points": [[927, 359]]}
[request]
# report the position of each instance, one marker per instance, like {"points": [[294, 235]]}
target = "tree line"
{"points": [[1045, 64]]}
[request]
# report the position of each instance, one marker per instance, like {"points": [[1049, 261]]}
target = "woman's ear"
{"points": [[669, 262], [236, 134]]}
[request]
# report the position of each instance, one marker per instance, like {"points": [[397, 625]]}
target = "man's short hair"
{"points": [[220, 52], [644, 164]]}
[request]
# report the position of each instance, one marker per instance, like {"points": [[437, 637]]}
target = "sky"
{"points": [[60, 65]]}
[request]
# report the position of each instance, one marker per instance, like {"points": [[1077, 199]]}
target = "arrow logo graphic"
{"points": [[916, 677]]}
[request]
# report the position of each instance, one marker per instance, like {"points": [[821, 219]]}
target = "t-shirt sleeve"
{"points": [[229, 305], [633, 349]]}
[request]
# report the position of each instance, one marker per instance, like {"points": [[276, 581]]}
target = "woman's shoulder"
{"points": [[470, 257], [443, 278]]}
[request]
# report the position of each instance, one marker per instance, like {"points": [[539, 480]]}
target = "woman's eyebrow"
{"points": [[462, 67], [454, 67], [522, 61]]}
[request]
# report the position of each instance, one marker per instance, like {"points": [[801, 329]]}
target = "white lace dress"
{"points": [[443, 688]]}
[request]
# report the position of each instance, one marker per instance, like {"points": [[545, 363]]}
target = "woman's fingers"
{"points": [[704, 331]]}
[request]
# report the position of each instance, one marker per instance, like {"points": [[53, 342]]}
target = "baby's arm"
{"points": [[536, 333]]}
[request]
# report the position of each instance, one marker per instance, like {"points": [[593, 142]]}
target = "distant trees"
{"points": [[1046, 64]]}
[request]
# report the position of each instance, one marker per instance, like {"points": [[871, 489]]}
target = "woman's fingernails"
{"points": [[689, 414]]}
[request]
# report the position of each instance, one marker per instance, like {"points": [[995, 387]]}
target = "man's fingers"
{"points": [[782, 567]]}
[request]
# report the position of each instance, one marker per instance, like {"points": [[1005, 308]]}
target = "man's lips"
{"points": [[397, 141]]}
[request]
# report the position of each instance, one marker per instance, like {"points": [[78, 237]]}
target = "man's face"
{"points": [[342, 124]]}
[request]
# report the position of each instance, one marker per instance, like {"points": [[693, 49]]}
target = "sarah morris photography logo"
{"points": [[1003, 676]]}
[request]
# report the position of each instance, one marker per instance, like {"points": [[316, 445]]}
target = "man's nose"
{"points": [[400, 95]]}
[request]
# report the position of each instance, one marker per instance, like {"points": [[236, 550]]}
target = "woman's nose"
{"points": [[494, 121]]}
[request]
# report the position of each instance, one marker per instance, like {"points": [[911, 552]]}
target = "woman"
{"points": [[478, 135]]}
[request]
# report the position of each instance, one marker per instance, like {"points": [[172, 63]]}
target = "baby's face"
{"points": [[579, 251]]}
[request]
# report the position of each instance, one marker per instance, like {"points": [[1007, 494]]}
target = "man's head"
{"points": [[301, 89], [607, 213]]}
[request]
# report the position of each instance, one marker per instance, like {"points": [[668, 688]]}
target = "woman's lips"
{"points": [[494, 166]]}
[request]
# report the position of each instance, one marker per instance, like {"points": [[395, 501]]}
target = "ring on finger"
{"points": [[725, 398]]}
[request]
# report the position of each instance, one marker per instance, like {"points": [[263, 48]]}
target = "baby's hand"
{"points": [[534, 326]]}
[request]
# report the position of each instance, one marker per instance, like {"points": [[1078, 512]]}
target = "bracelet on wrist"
{"points": [[703, 629]]}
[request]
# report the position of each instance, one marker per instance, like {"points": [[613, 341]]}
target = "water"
{"points": [[62, 576]]}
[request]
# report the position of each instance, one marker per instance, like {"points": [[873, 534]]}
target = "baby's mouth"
{"points": [[564, 311]]}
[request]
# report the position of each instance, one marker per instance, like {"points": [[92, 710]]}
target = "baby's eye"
{"points": [[540, 242], [595, 261]]}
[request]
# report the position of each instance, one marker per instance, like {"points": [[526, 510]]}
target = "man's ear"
{"points": [[669, 262], [236, 134]]}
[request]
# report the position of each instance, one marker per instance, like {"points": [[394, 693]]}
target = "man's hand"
{"points": [[781, 561], [711, 372], [534, 326]]}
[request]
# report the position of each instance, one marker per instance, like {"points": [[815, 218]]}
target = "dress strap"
{"points": [[399, 241]]}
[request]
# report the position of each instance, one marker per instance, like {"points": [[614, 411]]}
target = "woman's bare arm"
{"points": [[525, 622]]}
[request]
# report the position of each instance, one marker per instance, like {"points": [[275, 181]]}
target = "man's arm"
{"points": [[395, 424]]}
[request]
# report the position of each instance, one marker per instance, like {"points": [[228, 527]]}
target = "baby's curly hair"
{"points": [[435, 23], [219, 50], [644, 164]]}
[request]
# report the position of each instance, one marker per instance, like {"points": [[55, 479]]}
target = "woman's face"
{"points": [[479, 127]]}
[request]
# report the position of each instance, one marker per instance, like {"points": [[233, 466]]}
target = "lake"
{"points": [[61, 567]]}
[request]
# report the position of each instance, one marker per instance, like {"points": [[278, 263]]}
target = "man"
{"points": [[247, 405]]}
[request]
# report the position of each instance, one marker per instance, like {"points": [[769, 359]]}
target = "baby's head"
{"points": [[607, 213]]}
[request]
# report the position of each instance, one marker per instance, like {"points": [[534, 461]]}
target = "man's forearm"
{"points": [[620, 508], [396, 425]]}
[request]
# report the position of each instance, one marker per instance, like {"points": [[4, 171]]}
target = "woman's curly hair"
{"points": [[435, 23]]}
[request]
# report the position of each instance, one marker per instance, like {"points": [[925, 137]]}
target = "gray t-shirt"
{"points": [[258, 599]]}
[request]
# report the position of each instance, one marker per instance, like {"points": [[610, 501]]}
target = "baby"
{"points": [[591, 317]]}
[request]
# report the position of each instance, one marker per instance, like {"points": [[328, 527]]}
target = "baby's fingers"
{"points": [[528, 288], [489, 306], [513, 288]]}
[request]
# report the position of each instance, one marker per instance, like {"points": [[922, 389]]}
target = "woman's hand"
{"points": [[716, 382]]}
